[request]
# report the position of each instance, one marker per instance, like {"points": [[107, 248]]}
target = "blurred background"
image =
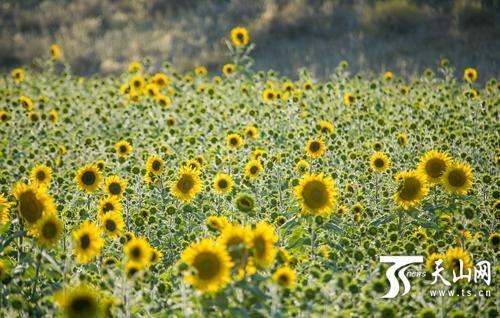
{"points": [[403, 36]]}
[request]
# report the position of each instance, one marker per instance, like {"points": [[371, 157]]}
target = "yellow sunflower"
{"points": [[315, 148], [223, 183], [18, 75], [109, 204], [160, 79], [201, 70], [152, 90], [55, 52], [316, 194], [302, 167], [26, 102], [33, 202], [262, 244], [234, 141], [112, 224], [49, 230], [137, 83], [138, 251], [155, 165], [217, 223], [53, 116], [4, 116], [239, 36], [388, 76], [135, 67], [228, 69], [452, 259], [402, 139], [326, 127], [379, 162], [284, 276], [236, 240], [81, 301], [88, 178], [41, 175], [187, 185], [163, 100], [268, 95], [34, 117], [253, 169], [156, 256], [123, 148], [457, 178], [412, 188], [433, 164], [115, 186], [211, 266], [4, 209], [470, 75], [251, 132], [430, 262], [88, 242], [349, 98]]}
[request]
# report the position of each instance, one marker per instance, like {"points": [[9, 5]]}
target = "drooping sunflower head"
{"points": [[156, 256], [138, 251], [155, 165], [402, 139], [251, 132], [110, 204], [123, 148], [210, 266], [470, 75], [284, 276], [33, 202], [217, 223], [55, 52], [262, 244], [100, 164], [112, 224], [79, 302], [223, 183], [187, 185], [26, 102], [326, 127], [53, 116], [412, 189], [457, 178], [49, 230], [433, 164], [454, 256], [234, 141], [315, 148], [88, 242], [163, 100], [245, 202], [316, 194], [115, 186], [379, 162], [253, 169], [239, 36], [349, 98], [88, 178]]}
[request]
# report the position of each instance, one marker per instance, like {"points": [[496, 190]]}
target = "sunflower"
{"points": [[4, 116], [211, 266], [123, 148], [217, 223], [88, 178], [155, 165], [388, 76], [109, 204], [239, 36], [235, 239], [132, 269], [379, 162], [33, 202], [402, 139], [49, 230], [156, 256], [302, 167], [457, 178], [420, 235], [115, 186], [494, 240], [163, 100], [160, 79], [100, 164], [200, 70], [53, 116], [26, 102], [349, 98], [284, 276], [194, 165], [34, 117], [257, 153], [326, 127], [41, 175], [18, 75], [81, 301], [4, 209], [138, 251], [88, 242], [234, 141], [228, 69], [251, 132], [152, 90], [268, 95], [430, 262], [253, 169], [223, 183], [135, 67], [470, 75], [315, 148], [433, 164], [137, 83], [245, 202], [316, 194], [55, 52], [452, 259], [112, 224], [412, 188], [262, 241], [187, 185]]}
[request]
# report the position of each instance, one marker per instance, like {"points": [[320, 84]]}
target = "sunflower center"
{"points": [[49, 230], [185, 184], [411, 189], [222, 184], [40, 175], [315, 194], [88, 178], [254, 169], [136, 252], [233, 141], [85, 241], [156, 165], [314, 146], [283, 279], [110, 225], [83, 306], [207, 265], [108, 207], [259, 246], [29, 206], [123, 149], [115, 188], [435, 167], [379, 163], [457, 178]]}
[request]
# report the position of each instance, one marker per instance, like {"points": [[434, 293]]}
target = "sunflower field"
{"points": [[244, 194]]}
